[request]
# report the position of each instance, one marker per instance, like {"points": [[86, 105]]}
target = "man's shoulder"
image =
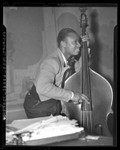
{"points": [[53, 59]]}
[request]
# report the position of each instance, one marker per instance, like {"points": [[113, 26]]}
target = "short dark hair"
{"points": [[63, 34]]}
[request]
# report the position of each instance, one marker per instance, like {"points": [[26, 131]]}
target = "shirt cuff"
{"points": [[72, 95]]}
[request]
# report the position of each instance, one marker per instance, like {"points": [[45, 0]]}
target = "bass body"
{"points": [[95, 120]]}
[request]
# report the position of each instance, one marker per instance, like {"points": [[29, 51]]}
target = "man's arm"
{"points": [[45, 82]]}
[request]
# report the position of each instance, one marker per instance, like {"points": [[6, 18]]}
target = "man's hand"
{"points": [[79, 98], [85, 38]]}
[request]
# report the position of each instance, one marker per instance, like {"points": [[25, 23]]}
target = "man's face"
{"points": [[72, 44]]}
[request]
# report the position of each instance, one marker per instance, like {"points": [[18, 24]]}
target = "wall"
{"points": [[24, 44], [25, 49]]}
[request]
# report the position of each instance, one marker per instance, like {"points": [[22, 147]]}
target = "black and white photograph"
{"points": [[60, 75]]}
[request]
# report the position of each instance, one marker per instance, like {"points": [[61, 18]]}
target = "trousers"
{"points": [[34, 107]]}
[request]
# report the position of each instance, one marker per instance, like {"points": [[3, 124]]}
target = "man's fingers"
{"points": [[86, 101], [85, 98], [89, 50], [76, 102]]}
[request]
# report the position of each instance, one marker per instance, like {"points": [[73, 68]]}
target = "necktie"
{"points": [[69, 71]]}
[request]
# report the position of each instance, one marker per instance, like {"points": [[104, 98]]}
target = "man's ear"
{"points": [[63, 44]]}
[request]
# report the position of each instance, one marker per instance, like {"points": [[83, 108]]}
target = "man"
{"points": [[46, 95]]}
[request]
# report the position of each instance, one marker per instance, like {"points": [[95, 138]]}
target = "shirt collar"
{"points": [[64, 59]]}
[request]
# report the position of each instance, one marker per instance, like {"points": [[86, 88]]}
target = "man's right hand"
{"points": [[79, 98]]}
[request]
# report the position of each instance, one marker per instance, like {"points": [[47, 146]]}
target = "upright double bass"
{"points": [[92, 116]]}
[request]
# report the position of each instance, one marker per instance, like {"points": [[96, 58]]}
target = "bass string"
{"points": [[87, 121]]}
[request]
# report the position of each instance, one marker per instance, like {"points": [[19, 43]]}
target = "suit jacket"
{"points": [[49, 78]]}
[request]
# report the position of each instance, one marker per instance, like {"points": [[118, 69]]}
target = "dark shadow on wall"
{"points": [[95, 56], [95, 46], [114, 106]]}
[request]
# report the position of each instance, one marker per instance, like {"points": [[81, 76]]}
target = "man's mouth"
{"points": [[77, 50]]}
